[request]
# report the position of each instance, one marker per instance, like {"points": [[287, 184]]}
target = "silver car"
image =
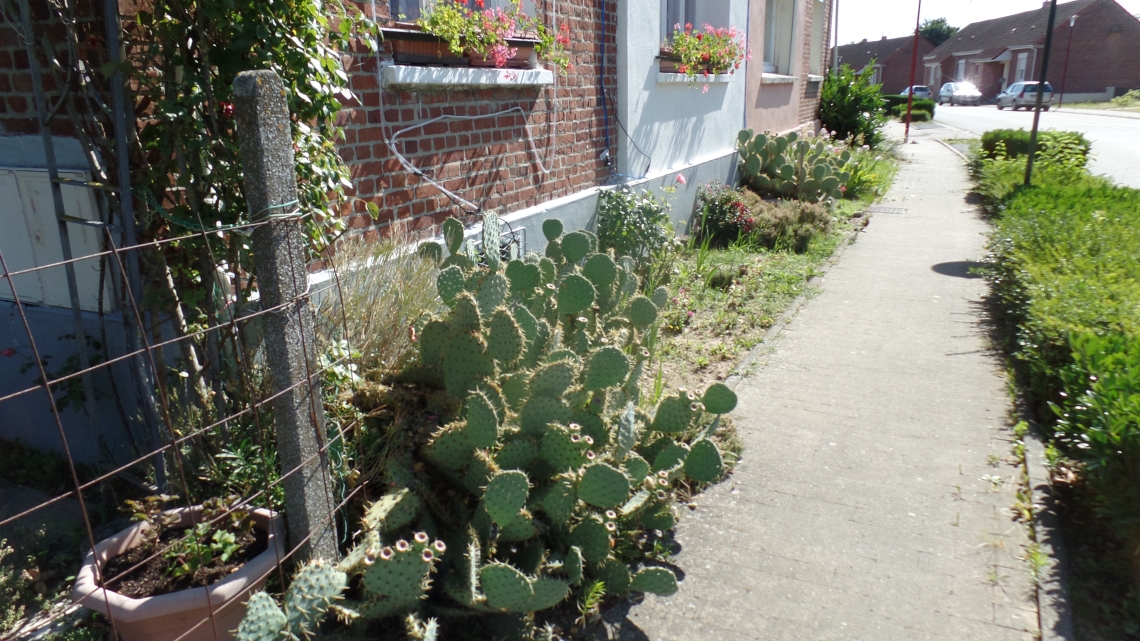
{"points": [[921, 92], [1024, 94], [959, 93]]}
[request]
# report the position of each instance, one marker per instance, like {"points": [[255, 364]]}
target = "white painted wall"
{"points": [[674, 124]]}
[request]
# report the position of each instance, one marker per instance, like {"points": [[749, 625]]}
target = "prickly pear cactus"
{"points": [[315, 589], [792, 166], [549, 458]]}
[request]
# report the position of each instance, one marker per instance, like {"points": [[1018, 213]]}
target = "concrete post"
{"points": [[266, 141]]}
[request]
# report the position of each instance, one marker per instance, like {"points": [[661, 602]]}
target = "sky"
{"points": [[873, 19]]}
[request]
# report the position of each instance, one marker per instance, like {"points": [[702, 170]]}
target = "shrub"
{"points": [[786, 225], [1064, 273], [722, 217], [382, 288], [851, 106], [871, 174], [999, 173], [1130, 99], [634, 224], [920, 104], [917, 115], [1072, 146]]}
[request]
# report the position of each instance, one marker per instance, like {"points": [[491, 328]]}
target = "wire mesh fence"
{"points": [[235, 441]]}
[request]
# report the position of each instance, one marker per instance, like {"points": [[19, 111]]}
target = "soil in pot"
{"points": [[153, 578]]}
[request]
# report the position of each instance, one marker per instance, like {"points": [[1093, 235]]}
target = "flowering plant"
{"points": [[708, 51], [468, 26], [722, 215]]}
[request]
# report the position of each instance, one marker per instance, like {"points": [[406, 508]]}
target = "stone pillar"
{"points": [[266, 140]]}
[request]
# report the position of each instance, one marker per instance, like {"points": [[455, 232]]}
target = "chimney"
{"points": [[864, 41], [884, 37]]}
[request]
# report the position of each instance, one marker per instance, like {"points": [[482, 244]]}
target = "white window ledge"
{"points": [[412, 77], [776, 79], [814, 78], [680, 78]]}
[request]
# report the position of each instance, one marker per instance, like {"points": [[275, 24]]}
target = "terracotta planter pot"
{"points": [[170, 616]]}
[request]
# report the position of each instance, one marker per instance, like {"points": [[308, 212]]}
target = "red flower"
{"points": [[700, 36], [8, 353], [480, 3], [227, 110], [704, 57]]}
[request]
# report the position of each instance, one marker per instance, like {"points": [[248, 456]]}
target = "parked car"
{"points": [[920, 91], [960, 93], [1024, 94]]}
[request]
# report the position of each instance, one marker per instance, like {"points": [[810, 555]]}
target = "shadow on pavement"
{"points": [[960, 269]]}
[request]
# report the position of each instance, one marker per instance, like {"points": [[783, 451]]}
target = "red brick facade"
{"points": [[809, 96], [486, 161]]}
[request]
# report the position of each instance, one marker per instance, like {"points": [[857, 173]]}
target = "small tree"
{"points": [[851, 106], [937, 30]]}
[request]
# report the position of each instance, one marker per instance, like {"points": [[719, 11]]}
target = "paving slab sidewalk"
{"points": [[874, 498]]}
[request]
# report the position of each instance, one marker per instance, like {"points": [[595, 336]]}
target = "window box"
{"points": [[670, 63], [411, 46]]}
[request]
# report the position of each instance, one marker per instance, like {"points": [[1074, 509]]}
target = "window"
{"points": [[1022, 59], [779, 32], [676, 12], [961, 74], [818, 23], [411, 9]]}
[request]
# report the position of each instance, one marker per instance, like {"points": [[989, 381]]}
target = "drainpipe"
{"points": [[1068, 54]]}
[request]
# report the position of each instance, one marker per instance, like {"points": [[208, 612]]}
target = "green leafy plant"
{"points": [[550, 475], [722, 216], [10, 591], [635, 225], [1061, 147], [707, 51], [215, 537], [486, 32], [1130, 99], [786, 225], [793, 166], [896, 105], [851, 105]]}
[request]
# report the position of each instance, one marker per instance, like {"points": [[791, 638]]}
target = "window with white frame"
{"points": [[779, 34], [818, 23], [413, 9], [694, 12]]}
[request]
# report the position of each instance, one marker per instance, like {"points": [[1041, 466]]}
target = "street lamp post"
{"points": [[913, 66], [1040, 93], [1068, 54]]}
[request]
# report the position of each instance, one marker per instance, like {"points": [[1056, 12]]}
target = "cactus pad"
{"points": [[704, 463], [392, 511], [560, 449], [615, 574], [575, 246], [315, 587], [592, 537], [523, 277], [264, 620], [593, 426], [482, 421], [491, 240], [603, 486], [575, 294], [554, 252], [658, 517], [606, 367], [516, 389], [506, 588], [517, 454], [464, 314], [541, 411], [433, 342], [551, 228], [642, 312], [601, 270], [449, 448], [548, 592], [660, 297], [636, 467], [466, 364], [719, 399], [492, 293], [574, 565], [552, 380], [674, 414], [452, 235], [670, 457], [505, 496], [659, 581], [559, 499], [563, 355], [479, 471], [504, 338], [450, 283]]}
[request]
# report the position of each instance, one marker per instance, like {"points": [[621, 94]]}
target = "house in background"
{"points": [[789, 41], [994, 54], [890, 58]]}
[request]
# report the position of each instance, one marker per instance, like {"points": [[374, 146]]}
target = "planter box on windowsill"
{"points": [[411, 46], [669, 72], [421, 78]]}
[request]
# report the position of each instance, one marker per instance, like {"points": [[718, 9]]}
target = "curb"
{"points": [[1099, 112], [740, 372], [1054, 612]]}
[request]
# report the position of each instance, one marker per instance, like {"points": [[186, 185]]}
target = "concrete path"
{"points": [[872, 502]]}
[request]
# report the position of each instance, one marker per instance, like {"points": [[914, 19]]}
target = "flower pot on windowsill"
{"points": [[411, 46], [670, 63], [177, 615]]}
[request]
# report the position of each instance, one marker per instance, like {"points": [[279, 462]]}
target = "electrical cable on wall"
{"points": [[605, 110], [390, 139]]}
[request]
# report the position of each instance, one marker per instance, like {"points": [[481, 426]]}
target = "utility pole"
{"points": [[835, 51], [1068, 54], [1040, 93], [913, 67]]}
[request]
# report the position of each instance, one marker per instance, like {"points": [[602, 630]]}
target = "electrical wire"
{"points": [[605, 112]]}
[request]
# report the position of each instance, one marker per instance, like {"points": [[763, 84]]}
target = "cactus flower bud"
{"points": [[663, 482], [611, 515], [402, 546], [662, 473], [440, 547], [611, 526], [695, 407], [386, 554], [590, 455], [574, 427], [661, 495], [427, 555], [589, 439], [574, 438], [369, 559], [421, 538]]}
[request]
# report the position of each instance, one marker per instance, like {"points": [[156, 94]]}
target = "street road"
{"points": [[1115, 140]]}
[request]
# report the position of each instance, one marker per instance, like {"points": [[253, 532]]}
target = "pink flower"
{"points": [[690, 313], [705, 89], [8, 353], [681, 179]]}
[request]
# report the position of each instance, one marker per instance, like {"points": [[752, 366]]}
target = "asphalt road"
{"points": [[1115, 139]]}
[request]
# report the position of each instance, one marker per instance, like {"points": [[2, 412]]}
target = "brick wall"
{"points": [[1106, 50], [809, 91], [896, 67], [485, 161]]}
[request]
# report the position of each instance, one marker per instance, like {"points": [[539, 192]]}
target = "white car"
{"points": [[920, 92], [1024, 94], [959, 93]]}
